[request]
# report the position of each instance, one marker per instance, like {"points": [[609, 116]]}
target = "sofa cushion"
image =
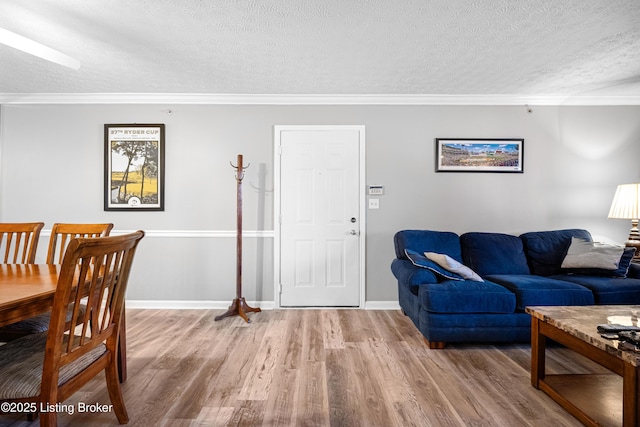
{"points": [[624, 263], [419, 260], [607, 290], [467, 296], [539, 290], [546, 249], [421, 241], [584, 254], [493, 253], [450, 264]]}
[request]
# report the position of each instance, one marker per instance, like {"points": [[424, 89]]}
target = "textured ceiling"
{"points": [[340, 47]]}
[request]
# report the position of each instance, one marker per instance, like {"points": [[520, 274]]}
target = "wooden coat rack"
{"points": [[239, 306]]}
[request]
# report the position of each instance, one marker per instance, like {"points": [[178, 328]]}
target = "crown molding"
{"points": [[311, 99]]}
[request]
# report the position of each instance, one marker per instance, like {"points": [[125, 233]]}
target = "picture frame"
{"points": [[505, 155], [134, 167]]}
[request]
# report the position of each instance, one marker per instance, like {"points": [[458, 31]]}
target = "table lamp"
{"points": [[626, 206]]}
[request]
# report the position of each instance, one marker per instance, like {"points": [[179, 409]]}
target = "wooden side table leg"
{"points": [[630, 404], [538, 346]]}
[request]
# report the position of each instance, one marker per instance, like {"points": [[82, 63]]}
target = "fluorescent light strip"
{"points": [[24, 44]]}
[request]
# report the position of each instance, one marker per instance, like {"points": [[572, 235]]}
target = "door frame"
{"points": [[277, 166]]}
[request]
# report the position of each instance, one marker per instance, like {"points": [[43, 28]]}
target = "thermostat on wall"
{"points": [[376, 190]]}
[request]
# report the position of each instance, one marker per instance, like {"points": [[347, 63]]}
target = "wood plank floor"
{"points": [[317, 368]]}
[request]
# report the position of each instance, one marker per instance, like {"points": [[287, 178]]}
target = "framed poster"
{"points": [[479, 155], [134, 167]]}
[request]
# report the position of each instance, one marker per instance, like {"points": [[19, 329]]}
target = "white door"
{"points": [[320, 224]]}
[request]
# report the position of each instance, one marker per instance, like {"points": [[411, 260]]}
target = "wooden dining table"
{"points": [[27, 290]]}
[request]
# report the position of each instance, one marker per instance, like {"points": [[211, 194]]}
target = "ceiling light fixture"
{"points": [[24, 44]]}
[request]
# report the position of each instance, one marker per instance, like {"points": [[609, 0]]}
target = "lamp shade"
{"points": [[625, 202]]}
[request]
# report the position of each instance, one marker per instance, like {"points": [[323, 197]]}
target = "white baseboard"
{"points": [[221, 305], [192, 305], [382, 305]]}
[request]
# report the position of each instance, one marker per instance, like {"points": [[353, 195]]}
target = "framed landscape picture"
{"points": [[479, 155], [134, 167]]}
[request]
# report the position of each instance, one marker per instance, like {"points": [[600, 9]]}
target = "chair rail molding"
{"points": [[189, 233]]}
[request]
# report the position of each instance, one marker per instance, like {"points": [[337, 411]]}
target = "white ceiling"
{"points": [[385, 48]]}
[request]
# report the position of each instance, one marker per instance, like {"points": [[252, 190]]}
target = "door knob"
{"points": [[353, 232]]}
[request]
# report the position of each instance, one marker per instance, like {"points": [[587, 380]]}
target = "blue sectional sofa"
{"points": [[449, 305]]}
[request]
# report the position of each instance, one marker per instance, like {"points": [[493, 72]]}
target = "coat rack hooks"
{"points": [[239, 306], [239, 168]]}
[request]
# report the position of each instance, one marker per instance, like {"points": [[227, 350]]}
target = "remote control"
{"points": [[614, 328]]}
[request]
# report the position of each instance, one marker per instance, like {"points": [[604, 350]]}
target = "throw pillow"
{"points": [[584, 254], [625, 262], [450, 264], [623, 266], [420, 260]]}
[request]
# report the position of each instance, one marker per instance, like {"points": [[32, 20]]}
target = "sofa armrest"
{"points": [[409, 274], [634, 270]]}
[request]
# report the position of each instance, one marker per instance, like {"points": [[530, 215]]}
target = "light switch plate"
{"points": [[374, 203]]}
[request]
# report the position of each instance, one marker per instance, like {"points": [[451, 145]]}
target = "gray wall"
{"points": [[52, 170]]}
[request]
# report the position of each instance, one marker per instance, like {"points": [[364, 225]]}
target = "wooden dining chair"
{"points": [[47, 368], [19, 242], [61, 235], [18, 245]]}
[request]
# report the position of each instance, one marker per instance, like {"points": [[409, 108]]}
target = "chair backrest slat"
{"points": [[19, 242], [62, 234]]}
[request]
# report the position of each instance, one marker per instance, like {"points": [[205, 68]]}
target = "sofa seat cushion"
{"points": [[537, 290], [493, 253], [607, 290], [546, 249], [466, 296]]}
